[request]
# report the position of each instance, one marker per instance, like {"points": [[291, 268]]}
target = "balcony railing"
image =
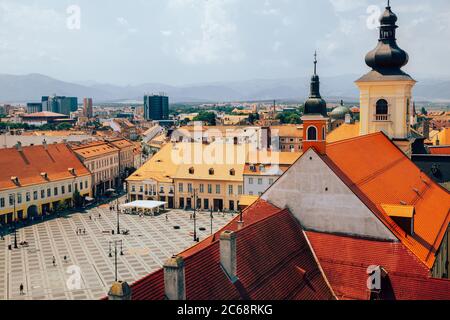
{"points": [[382, 117]]}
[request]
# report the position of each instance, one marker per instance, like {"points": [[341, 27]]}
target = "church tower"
{"points": [[386, 91], [315, 117]]}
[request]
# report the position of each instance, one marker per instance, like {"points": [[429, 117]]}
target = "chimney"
{"points": [[174, 279], [228, 254], [120, 291], [426, 129], [19, 146]]}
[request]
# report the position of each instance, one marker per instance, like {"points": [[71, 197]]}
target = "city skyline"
{"points": [[194, 41]]}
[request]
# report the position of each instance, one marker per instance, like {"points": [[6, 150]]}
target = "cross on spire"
{"points": [[315, 63]]}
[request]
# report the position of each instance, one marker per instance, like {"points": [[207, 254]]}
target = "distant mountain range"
{"points": [[29, 88]]}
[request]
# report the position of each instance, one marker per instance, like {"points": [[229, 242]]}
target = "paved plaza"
{"points": [[88, 271]]}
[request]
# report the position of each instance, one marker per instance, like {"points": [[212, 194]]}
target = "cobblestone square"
{"points": [[151, 241]]}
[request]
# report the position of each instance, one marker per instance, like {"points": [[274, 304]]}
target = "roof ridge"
{"points": [[331, 144]]}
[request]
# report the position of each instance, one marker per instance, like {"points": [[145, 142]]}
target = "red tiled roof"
{"points": [[380, 173], [445, 150], [256, 212], [274, 262], [345, 261], [34, 160]]}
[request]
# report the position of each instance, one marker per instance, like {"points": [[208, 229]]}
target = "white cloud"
{"points": [[217, 39]]}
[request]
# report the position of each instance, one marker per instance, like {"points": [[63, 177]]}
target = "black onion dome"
{"points": [[315, 105], [387, 57]]}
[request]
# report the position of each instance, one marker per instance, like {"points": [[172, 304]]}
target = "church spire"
{"points": [[315, 104], [387, 57]]}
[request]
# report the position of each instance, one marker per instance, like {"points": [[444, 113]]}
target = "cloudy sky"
{"points": [[194, 41]]}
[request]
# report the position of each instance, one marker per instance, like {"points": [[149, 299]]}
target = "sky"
{"points": [[127, 42]]}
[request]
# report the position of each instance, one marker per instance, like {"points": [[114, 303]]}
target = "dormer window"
{"points": [[211, 172]]}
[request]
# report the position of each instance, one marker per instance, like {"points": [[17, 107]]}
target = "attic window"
{"points": [[402, 215], [211, 172], [232, 172], [191, 171]]}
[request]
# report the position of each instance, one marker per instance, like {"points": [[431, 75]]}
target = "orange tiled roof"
{"points": [[443, 150], [289, 130], [379, 173], [344, 132], [94, 149], [28, 165], [121, 143]]}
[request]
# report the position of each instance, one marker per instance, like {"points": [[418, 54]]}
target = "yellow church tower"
{"points": [[386, 91]]}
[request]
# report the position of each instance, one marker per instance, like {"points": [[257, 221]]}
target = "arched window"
{"points": [[312, 133], [324, 133], [382, 107]]}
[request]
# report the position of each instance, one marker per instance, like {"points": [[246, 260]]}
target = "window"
{"points": [[69, 187], [230, 190], [232, 172], [63, 190], [206, 204], [19, 198], [81, 186], [382, 107], [271, 181], [211, 172], [141, 189], [202, 188], [217, 188], [210, 188], [250, 180], [49, 192], [191, 171], [11, 200], [180, 187], [190, 187], [324, 133], [2, 202], [42, 194], [312, 133], [240, 192], [260, 181], [85, 184], [161, 189], [35, 195], [55, 191], [133, 188], [28, 196]]}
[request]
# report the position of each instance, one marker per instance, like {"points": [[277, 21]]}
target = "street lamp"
{"points": [[116, 243], [195, 215], [118, 219], [212, 217]]}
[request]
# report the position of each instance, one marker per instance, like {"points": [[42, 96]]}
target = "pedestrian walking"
{"points": [[54, 261], [65, 259], [167, 217], [21, 289]]}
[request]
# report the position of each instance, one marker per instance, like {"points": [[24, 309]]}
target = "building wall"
{"points": [[441, 265], [224, 193], [23, 205], [322, 202], [256, 185], [397, 94], [104, 169]]}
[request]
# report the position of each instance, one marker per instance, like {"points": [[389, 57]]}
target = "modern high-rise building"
{"points": [[63, 105], [156, 107], [34, 107], [88, 108]]}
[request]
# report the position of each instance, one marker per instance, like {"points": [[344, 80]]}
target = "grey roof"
{"points": [[386, 76]]}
